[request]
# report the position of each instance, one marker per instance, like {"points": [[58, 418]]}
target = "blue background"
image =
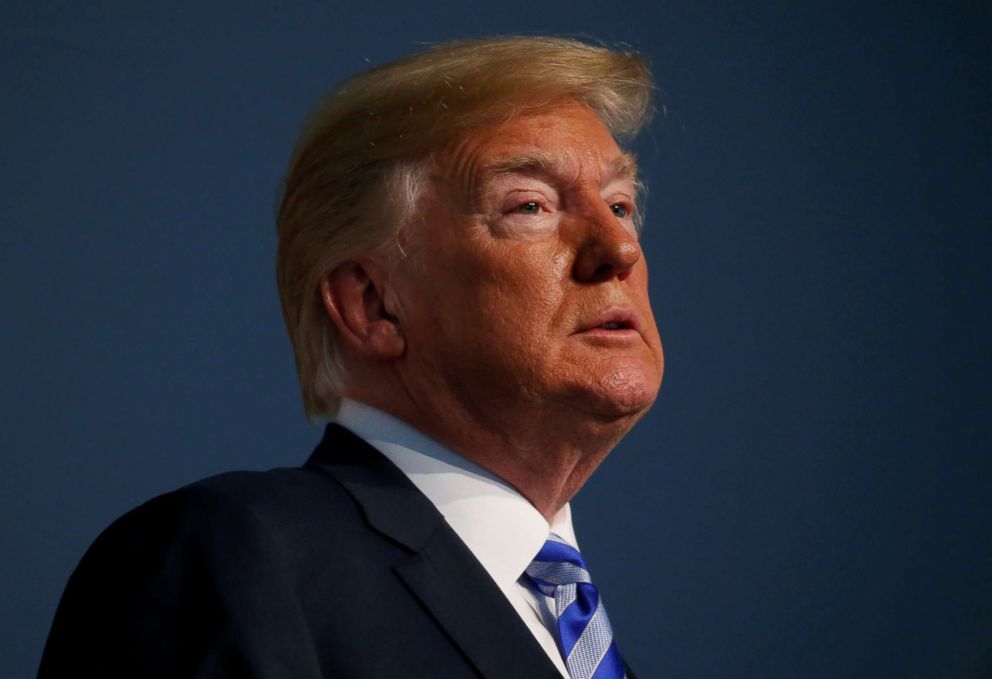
{"points": [[810, 497]]}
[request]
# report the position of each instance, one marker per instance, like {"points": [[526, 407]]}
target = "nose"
{"points": [[607, 250]]}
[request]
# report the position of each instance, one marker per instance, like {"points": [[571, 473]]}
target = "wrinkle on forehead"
{"points": [[541, 162]]}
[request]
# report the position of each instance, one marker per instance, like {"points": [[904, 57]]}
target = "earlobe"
{"points": [[354, 295]]}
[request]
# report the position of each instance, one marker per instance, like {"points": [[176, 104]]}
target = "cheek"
{"points": [[527, 283], [512, 294], [517, 318], [542, 276]]}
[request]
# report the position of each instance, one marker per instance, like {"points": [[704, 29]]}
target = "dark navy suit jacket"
{"points": [[341, 568]]}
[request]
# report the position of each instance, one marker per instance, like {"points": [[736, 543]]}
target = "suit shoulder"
{"points": [[235, 503], [284, 490], [159, 585]]}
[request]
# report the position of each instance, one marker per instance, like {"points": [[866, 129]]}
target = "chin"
{"points": [[625, 393]]}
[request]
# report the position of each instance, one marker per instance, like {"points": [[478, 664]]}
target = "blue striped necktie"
{"points": [[584, 634]]}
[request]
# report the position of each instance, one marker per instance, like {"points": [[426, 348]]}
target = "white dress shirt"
{"points": [[499, 525]]}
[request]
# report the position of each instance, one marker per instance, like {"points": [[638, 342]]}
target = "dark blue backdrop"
{"points": [[810, 495]]}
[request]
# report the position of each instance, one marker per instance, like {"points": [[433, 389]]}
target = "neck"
{"points": [[547, 456]]}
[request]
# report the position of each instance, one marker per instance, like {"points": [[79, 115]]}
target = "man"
{"points": [[463, 286]]}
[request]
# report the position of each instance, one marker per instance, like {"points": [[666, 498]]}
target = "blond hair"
{"points": [[360, 165]]}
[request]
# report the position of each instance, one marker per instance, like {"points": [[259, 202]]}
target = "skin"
{"points": [[518, 332]]}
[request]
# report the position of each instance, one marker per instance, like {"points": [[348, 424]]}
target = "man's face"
{"points": [[527, 287]]}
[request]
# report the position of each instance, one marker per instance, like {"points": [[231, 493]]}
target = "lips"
{"points": [[612, 320]]}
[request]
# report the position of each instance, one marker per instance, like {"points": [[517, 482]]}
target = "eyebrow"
{"points": [[623, 166]]}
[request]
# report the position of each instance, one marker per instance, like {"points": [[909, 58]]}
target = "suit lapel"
{"points": [[472, 609], [441, 571], [392, 504]]}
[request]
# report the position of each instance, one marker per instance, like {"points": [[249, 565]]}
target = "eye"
{"points": [[528, 208], [620, 210]]}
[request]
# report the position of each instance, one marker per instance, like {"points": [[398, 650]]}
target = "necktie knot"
{"points": [[584, 634], [558, 563]]}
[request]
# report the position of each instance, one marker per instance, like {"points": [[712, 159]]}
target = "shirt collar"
{"points": [[499, 525]]}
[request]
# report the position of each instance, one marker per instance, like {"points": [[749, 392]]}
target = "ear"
{"points": [[354, 295]]}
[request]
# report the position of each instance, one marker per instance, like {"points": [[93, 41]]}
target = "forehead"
{"points": [[566, 139]]}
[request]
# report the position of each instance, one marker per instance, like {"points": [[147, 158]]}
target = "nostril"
{"points": [[603, 272]]}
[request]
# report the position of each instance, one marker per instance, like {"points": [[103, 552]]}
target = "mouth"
{"points": [[613, 321], [613, 326]]}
